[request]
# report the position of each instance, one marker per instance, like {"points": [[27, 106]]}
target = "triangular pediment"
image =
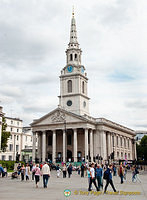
{"points": [[58, 116]]}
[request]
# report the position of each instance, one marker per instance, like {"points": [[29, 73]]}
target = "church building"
{"points": [[69, 133]]}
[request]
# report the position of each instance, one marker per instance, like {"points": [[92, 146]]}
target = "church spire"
{"points": [[73, 33]]}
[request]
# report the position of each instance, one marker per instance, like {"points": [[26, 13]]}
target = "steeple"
{"points": [[73, 33], [73, 51]]}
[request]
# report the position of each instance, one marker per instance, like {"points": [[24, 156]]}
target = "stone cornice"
{"points": [[73, 74], [77, 94]]}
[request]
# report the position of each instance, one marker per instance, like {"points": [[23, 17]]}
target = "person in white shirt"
{"points": [[46, 174], [92, 178]]}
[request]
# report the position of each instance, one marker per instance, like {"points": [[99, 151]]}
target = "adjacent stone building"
{"points": [[69, 132]]}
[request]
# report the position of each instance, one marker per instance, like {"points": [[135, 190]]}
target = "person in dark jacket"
{"points": [[69, 170], [109, 179], [82, 170]]}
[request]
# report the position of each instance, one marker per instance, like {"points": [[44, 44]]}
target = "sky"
{"points": [[112, 34]]}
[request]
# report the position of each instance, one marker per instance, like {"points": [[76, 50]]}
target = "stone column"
{"points": [[86, 144], [75, 145], [34, 147], [103, 145], [64, 146], [39, 146], [91, 145], [43, 146], [108, 144], [54, 147]]}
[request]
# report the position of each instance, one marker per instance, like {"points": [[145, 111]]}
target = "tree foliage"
{"points": [[142, 149], [5, 135]]}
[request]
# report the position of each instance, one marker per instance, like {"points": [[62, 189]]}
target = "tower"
{"points": [[73, 79]]}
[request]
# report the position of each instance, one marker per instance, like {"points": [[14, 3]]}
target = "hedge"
{"points": [[8, 164]]}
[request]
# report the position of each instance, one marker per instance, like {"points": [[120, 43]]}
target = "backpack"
{"points": [[106, 175]]}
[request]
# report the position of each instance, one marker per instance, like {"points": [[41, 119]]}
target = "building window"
{"points": [[129, 156], [11, 122], [128, 143], [31, 139], [70, 57], [69, 86], [68, 139], [26, 138], [50, 140], [83, 87], [11, 137], [17, 147], [113, 140], [118, 155], [117, 140], [3, 157], [121, 141], [76, 56], [121, 155], [17, 123], [11, 147], [17, 130], [17, 137], [10, 157], [124, 142], [11, 129]]}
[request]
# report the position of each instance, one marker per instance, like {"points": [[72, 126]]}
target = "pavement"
{"points": [[18, 190]]}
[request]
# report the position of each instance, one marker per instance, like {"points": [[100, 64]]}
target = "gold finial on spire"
{"points": [[73, 11]]}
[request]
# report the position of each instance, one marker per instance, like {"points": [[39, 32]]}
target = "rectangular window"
{"points": [[3, 157], [17, 123], [121, 141], [117, 140], [11, 129], [10, 157], [50, 140], [11, 137], [17, 137], [26, 138], [17, 130], [10, 147], [11, 122], [17, 147], [128, 143]]}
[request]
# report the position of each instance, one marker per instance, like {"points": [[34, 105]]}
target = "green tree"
{"points": [[5, 135], [142, 149]]}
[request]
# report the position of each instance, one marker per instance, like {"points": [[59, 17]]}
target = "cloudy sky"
{"points": [[113, 36]]}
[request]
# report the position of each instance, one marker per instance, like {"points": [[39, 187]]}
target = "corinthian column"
{"points": [[75, 145], [91, 145], [34, 147], [86, 144], [64, 146], [43, 146], [54, 147]]}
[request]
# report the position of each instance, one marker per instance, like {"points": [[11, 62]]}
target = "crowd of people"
{"points": [[95, 172]]}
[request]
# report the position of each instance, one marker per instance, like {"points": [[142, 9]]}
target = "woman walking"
{"points": [[27, 172], [64, 170], [37, 174], [22, 171]]}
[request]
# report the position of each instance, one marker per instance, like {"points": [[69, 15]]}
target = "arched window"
{"points": [[69, 86], [83, 87], [76, 56], [70, 57]]}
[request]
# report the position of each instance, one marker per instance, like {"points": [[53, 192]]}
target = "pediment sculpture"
{"points": [[58, 117]]}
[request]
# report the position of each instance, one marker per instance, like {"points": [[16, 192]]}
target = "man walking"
{"points": [[99, 174], [92, 178], [109, 178], [46, 174], [121, 173]]}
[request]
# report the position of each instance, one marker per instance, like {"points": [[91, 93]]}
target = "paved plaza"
{"points": [[17, 190]]}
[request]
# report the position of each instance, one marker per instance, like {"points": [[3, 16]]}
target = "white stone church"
{"points": [[69, 133]]}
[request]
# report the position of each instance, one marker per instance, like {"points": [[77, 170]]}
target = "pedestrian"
{"points": [[78, 170], [33, 172], [37, 174], [135, 176], [109, 178], [46, 174], [121, 172], [18, 169], [69, 170], [82, 170], [58, 170], [5, 171], [64, 170], [114, 170], [88, 175], [125, 172], [27, 171], [99, 174], [2, 171], [92, 178], [22, 171]]}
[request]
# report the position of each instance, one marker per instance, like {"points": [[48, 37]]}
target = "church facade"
{"points": [[69, 133]]}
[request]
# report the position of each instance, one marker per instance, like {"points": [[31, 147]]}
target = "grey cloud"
{"points": [[137, 104]]}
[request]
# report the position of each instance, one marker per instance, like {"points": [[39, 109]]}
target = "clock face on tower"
{"points": [[70, 68]]}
